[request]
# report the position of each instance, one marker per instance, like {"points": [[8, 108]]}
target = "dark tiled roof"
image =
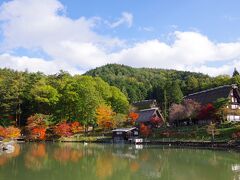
{"points": [[145, 115], [211, 95], [145, 104]]}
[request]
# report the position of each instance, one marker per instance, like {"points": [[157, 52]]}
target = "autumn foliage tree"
{"points": [[155, 121], [2, 131], [176, 112], [64, 129], [206, 112], [188, 109], [145, 130], [105, 117], [76, 127], [36, 126], [10, 132], [133, 117]]}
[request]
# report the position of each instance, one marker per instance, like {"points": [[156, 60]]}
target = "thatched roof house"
{"points": [[147, 116], [212, 95]]}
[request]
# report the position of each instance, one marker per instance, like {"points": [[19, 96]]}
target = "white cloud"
{"points": [[189, 51], [126, 18], [73, 45], [23, 63], [33, 24], [147, 29]]}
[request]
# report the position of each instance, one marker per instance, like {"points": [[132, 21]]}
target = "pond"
{"points": [[74, 161]]}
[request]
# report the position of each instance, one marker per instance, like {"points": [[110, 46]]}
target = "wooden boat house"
{"points": [[124, 134]]}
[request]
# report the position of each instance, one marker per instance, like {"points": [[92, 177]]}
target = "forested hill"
{"points": [[143, 83]]}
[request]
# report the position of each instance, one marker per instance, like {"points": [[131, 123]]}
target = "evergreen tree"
{"points": [[235, 72], [165, 101], [175, 93]]}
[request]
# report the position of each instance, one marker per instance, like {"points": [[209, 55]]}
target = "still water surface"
{"points": [[73, 161]]}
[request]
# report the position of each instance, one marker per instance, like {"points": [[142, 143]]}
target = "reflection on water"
{"points": [[75, 161]]}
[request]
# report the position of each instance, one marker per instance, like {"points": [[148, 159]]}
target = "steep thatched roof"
{"points": [[212, 95], [146, 115]]}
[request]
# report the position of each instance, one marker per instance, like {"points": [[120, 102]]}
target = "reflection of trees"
{"points": [[65, 154], [104, 166], [3, 160], [75, 161], [36, 157], [134, 166]]}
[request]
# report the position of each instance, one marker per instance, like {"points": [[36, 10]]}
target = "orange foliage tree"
{"points": [[64, 129], [133, 117], [145, 130], [76, 127], [105, 117], [2, 132], [36, 126], [10, 132], [39, 133]]}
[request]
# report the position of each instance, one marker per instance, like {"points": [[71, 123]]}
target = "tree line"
{"points": [[60, 96]]}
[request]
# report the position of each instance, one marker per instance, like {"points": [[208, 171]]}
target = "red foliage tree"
{"points": [[145, 130], [206, 112], [63, 129], [133, 117], [36, 127], [156, 121]]}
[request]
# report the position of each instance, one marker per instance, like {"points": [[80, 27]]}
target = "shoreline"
{"points": [[216, 145]]}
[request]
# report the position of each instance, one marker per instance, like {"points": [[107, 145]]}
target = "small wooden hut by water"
{"points": [[124, 134]]}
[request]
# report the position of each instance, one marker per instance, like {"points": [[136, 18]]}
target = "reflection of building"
{"points": [[236, 167], [212, 95], [124, 134]]}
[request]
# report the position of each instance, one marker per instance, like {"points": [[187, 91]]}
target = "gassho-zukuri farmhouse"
{"points": [[212, 95]]}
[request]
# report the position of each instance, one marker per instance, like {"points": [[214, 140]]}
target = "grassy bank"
{"points": [[195, 133]]}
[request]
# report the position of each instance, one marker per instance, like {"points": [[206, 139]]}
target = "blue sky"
{"points": [[219, 20], [76, 35]]}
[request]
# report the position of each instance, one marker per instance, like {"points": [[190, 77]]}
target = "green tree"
{"points": [[236, 80], [45, 96], [119, 101], [235, 72], [192, 84], [175, 93]]}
